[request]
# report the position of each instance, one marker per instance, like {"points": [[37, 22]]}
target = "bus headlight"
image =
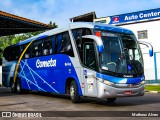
{"points": [[105, 82], [108, 82]]}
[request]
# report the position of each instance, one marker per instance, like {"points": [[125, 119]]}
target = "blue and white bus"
{"points": [[81, 59]]}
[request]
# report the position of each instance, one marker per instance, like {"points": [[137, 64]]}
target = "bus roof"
{"points": [[98, 26]]}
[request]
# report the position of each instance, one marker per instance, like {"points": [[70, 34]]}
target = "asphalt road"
{"points": [[34, 101]]}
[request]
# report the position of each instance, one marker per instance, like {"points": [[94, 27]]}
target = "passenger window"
{"points": [[15, 53], [37, 48], [89, 55], [27, 53], [64, 45], [47, 46], [59, 42], [78, 33], [86, 31], [7, 53], [74, 33]]}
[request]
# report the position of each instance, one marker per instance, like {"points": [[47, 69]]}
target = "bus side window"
{"points": [[14, 53], [86, 31], [37, 48], [47, 46], [59, 42], [89, 55], [7, 53], [78, 33], [27, 52], [74, 33], [64, 45]]}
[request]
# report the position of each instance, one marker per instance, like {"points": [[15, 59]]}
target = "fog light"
{"points": [[143, 82]]}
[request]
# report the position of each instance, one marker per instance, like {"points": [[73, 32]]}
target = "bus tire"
{"points": [[75, 98], [111, 99], [19, 87], [13, 87]]}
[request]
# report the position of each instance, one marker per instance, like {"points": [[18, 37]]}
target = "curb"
{"points": [[153, 91]]}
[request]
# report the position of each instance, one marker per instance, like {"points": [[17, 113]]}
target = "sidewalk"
{"points": [[155, 89]]}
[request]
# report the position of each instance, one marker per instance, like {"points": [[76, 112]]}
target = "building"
{"points": [[88, 17], [12, 24], [146, 27]]}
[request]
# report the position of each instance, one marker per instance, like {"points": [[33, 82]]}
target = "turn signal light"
{"points": [[98, 33]]}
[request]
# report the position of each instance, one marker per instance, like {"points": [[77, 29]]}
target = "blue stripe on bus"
{"points": [[120, 80]]}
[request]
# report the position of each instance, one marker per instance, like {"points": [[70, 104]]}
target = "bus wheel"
{"points": [[19, 87], [13, 87], [111, 99], [75, 98]]}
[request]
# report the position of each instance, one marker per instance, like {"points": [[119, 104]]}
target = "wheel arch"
{"points": [[68, 82], [12, 80]]}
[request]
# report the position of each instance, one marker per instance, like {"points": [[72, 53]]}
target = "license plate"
{"points": [[128, 92]]}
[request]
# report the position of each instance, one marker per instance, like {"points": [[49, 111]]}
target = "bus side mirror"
{"points": [[150, 47], [98, 41]]}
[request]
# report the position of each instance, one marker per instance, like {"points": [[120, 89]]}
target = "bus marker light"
{"points": [[98, 33], [82, 85]]}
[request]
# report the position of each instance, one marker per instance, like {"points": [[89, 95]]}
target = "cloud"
{"points": [[6, 3], [60, 11]]}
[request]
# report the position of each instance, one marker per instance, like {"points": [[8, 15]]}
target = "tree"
{"points": [[52, 24], [14, 39]]}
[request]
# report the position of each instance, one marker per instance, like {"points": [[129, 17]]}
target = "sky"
{"points": [[60, 11]]}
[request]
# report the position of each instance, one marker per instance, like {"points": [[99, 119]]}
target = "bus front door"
{"points": [[89, 74]]}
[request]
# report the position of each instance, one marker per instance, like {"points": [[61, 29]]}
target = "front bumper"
{"points": [[106, 91]]}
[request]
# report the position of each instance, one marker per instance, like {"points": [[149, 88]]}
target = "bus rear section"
{"points": [[9, 61]]}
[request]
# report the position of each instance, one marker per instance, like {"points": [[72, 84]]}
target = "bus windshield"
{"points": [[121, 54]]}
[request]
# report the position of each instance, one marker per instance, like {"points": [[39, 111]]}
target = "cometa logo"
{"points": [[42, 64]]}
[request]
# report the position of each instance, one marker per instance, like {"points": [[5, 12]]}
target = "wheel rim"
{"points": [[72, 91], [18, 87], [12, 85]]}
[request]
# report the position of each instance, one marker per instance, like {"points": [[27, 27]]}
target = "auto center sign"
{"points": [[131, 17]]}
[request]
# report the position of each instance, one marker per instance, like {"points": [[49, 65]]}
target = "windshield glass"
{"points": [[133, 54], [121, 54], [112, 50]]}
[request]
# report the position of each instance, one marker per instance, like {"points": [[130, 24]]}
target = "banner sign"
{"points": [[132, 17]]}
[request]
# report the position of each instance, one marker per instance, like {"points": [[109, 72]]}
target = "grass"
{"points": [[152, 88]]}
